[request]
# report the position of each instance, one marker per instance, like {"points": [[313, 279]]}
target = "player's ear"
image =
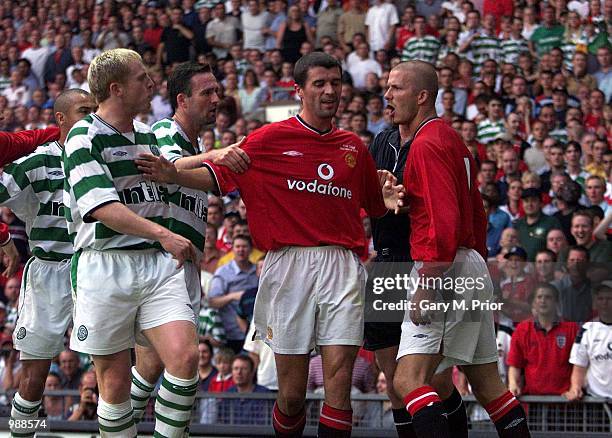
{"points": [[59, 118]]}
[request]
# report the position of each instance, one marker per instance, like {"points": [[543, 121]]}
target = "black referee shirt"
{"points": [[391, 232]]}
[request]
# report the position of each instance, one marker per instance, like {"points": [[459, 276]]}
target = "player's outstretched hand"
{"points": [[180, 248], [157, 168], [13, 258], [232, 156], [393, 194], [384, 176]]}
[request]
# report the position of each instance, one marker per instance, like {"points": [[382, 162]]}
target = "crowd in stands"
{"points": [[526, 84]]}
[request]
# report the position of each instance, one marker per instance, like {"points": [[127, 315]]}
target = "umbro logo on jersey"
{"points": [[293, 154], [120, 153], [420, 336], [514, 423], [56, 173]]}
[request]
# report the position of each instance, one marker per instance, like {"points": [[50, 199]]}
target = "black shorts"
{"points": [[384, 334]]}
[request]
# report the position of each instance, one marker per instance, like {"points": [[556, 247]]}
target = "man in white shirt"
{"points": [[381, 21], [37, 55], [592, 351], [253, 23], [362, 65]]}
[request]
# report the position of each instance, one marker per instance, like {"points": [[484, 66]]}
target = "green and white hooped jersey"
{"points": [[188, 207], [100, 168], [33, 188]]}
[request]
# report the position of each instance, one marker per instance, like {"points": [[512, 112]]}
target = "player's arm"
{"points": [[430, 166], [120, 218], [579, 358], [14, 145], [161, 170], [231, 156]]}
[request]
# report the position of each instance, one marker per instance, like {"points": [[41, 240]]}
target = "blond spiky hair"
{"points": [[108, 67]]}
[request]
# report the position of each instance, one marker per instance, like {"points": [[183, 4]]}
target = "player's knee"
{"points": [[183, 362], [407, 381]]}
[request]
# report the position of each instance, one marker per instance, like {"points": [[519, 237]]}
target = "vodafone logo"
{"points": [[325, 171]]}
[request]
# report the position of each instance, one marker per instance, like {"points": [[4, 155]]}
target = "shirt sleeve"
{"points": [[14, 145], [516, 355], [16, 190], [433, 174], [218, 287], [167, 146], [88, 176], [372, 202], [580, 350]]}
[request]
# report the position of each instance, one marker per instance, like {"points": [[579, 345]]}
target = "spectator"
{"points": [[566, 200], [37, 55], [379, 414], [228, 286], [112, 37], [548, 35], [515, 43], [381, 21], [249, 93], [206, 371], [10, 365], [276, 16], [17, 92], [545, 266], [53, 405], [575, 288], [421, 46], [361, 64], [212, 254], [175, 40], [292, 34], [534, 227], [350, 23], [245, 410], [445, 83], [592, 373], [541, 347], [70, 370], [498, 221], [572, 156], [376, 120], [516, 286], [223, 379], [514, 203], [603, 75], [579, 75], [493, 127], [556, 241], [247, 302], [599, 251], [58, 61], [86, 409], [253, 22]]}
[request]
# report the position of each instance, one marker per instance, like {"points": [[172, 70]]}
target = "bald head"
{"points": [[67, 98], [423, 77]]}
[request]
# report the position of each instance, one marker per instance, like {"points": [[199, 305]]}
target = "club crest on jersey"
{"points": [[561, 340], [82, 333], [21, 333], [350, 160]]}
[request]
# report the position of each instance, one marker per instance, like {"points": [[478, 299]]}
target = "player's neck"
{"points": [[318, 123], [116, 116], [189, 128], [408, 131]]}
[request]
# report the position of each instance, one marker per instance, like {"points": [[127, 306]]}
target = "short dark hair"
{"points": [[180, 80], [578, 248], [314, 59], [546, 286], [244, 358], [549, 252], [243, 237]]}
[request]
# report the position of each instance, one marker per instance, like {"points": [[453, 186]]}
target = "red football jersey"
{"points": [[305, 187], [446, 210]]}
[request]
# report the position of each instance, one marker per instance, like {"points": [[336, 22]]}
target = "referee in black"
{"points": [[390, 235], [383, 329]]}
